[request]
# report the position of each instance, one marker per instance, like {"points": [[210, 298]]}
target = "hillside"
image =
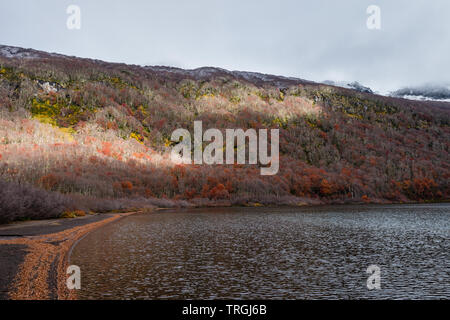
{"points": [[81, 134]]}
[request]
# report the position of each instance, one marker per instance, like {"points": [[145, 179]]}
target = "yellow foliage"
{"points": [[142, 110], [68, 133], [311, 124], [137, 137], [73, 214], [254, 204], [167, 143], [357, 116], [45, 119]]}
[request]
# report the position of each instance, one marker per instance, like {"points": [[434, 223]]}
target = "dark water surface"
{"points": [[270, 253]]}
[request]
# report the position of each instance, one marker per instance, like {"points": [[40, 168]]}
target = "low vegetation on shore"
{"points": [[79, 134]]}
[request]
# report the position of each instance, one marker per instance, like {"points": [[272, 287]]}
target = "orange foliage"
{"points": [[189, 194], [112, 125], [212, 181], [229, 186], [93, 159], [89, 140], [127, 185], [117, 185], [325, 187], [424, 187], [175, 182], [49, 181], [218, 192], [106, 149], [205, 191], [138, 155], [149, 193]]}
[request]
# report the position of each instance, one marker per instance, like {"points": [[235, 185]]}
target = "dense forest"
{"points": [[80, 135]]}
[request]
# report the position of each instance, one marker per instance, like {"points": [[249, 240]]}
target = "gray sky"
{"points": [[315, 40]]}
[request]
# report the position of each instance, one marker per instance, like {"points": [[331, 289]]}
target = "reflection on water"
{"points": [[270, 253]]}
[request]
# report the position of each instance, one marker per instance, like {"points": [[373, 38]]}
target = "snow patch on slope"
{"points": [[355, 85], [427, 92], [14, 52]]}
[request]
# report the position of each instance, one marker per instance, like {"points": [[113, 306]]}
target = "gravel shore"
{"points": [[33, 255]]}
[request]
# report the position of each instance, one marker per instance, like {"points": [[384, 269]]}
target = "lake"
{"points": [[270, 253]]}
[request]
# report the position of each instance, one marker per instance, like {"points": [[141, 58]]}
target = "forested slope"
{"points": [[96, 136]]}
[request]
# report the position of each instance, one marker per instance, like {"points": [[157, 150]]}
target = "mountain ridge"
{"points": [[257, 78], [198, 73]]}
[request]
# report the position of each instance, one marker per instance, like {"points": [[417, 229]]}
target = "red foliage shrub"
{"points": [[229, 186], [212, 181], [50, 181], [326, 188], [127, 185], [106, 149], [149, 193], [189, 194], [117, 186], [424, 188], [93, 159], [89, 140], [112, 125], [218, 192], [205, 191]]}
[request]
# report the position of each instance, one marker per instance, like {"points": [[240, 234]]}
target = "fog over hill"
{"points": [[425, 93], [355, 85]]}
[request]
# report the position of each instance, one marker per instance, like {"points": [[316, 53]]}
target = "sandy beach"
{"points": [[34, 255]]}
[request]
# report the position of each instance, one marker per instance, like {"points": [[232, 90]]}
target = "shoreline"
{"points": [[34, 255]]}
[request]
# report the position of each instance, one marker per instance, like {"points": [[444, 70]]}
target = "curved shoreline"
{"points": [[36, 257], [42, 273]]}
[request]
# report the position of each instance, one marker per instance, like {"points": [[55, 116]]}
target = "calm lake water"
{"points": [[270, 253]]}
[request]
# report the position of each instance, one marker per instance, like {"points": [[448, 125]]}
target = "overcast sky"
{"points": [[315, 40]]}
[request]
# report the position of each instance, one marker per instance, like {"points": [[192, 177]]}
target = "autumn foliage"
{"points": [[105, 134]]}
